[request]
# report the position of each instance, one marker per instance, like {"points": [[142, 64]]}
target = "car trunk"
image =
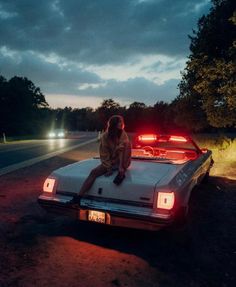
{"points": [[138, 185]]}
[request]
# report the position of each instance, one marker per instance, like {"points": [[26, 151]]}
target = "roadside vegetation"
{"points": [[223, 153], [24, 138], [223, 147]]}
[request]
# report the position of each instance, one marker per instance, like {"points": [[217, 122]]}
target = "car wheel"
{"points": [[180, 218], [206, 178]]}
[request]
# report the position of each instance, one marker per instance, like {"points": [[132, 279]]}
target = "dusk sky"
{"points": [[80, 52]]}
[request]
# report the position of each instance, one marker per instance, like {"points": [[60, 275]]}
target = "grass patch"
{"points": [[20, 138], [223, 152], [223, 147]]}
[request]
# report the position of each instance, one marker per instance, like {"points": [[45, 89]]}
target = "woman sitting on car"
{"points": [[115, 154]]}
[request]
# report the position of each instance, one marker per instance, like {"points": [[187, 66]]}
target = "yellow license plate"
{"points": [[96, 216]]}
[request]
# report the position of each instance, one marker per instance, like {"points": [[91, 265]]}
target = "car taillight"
{"points": [[147, 138], [165, 200], [48, 185]]}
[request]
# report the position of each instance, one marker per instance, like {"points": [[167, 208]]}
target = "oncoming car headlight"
{"points": [[49, 184], [166, 200]]}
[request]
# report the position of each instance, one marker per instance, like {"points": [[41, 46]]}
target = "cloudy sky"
{"points": [[80, 52]]}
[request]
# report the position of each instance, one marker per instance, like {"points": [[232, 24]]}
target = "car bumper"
{"points": [[113, 216]]}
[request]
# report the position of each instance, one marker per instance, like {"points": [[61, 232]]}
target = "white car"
{"points": [[154, 194], [57, 133]]}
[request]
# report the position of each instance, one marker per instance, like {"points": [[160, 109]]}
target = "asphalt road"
{"points": [[23, 151]]}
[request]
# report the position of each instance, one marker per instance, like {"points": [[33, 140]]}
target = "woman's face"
{"points": [[120, 125]]}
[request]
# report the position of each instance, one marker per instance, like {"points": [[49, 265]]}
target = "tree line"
{"points": [[206, 101], [24, 111]]}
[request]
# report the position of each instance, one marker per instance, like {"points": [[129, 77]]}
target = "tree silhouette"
{"points": [[107, 109], [208, 82], [20, 104]]}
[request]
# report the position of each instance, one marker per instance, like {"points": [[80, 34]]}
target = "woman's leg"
{"points": [[98, 171], [126, 154], [124, 158]]}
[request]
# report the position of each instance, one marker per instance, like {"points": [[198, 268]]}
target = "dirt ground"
{"points": [[37, 249]]}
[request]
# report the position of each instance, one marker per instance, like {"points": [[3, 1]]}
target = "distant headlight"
{"points": [[61, 135], [51, 135]]}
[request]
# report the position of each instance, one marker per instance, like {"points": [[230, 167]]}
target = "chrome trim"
{"points": [[110, 200], [61, 199], [118, 208]]}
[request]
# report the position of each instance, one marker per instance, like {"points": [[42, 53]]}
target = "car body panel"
{"points": [[57, 133], [141, 179], [133, 203]]}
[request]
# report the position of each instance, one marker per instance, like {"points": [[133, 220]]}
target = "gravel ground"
{"points": [[37, 249]]}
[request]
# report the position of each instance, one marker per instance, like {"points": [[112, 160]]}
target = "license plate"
{"points": [[96, 216]]}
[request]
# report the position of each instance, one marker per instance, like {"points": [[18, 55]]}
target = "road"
{"points": [[38, 249], [21, 154]]}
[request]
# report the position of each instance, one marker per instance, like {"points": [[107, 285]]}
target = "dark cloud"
{"points": [[138, 89], [56, 42], [161, 66], [52, 77], [100, 31]]}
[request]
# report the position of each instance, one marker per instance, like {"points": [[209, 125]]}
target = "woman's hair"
{"points": [[112, 129]]}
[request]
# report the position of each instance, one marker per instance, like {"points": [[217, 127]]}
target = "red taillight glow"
{"points": [[178, 139], [48, 185], [147, 138], [165, 200]]}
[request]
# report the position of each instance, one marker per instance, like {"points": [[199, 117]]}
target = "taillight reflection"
{"points": [[177, 139], [48, 185], [165, 200]]}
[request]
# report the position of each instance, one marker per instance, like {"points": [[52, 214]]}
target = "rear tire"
{"points": [[206, 178], [181, 218]]}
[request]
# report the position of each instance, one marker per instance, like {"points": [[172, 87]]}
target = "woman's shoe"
{"points": [[119, 178]]}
